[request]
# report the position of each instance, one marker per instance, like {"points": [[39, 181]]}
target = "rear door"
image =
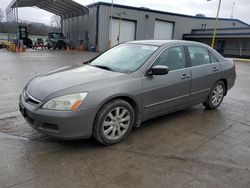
{"points": [[164, 93], [205, 72]]}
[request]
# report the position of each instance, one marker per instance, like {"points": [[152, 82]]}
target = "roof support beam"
{"points": [[63, 8], [65, 3], [51, 10]]}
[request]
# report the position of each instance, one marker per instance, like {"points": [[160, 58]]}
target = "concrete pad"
{"points": [[189, 148]]}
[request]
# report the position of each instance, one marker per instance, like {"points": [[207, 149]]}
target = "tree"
{"points": [[55, 21], [1, 15]]}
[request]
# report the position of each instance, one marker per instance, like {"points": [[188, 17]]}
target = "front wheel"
{"points": [[113, 122], [216, 96]]}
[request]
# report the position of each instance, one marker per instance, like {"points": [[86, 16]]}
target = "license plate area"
{"points": [[23, 111]]}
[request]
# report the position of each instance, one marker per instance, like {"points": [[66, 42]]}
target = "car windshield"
{"points": [[56, 35], [124, 58]]}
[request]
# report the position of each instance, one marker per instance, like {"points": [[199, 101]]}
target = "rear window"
{"points": [[213, 59], [198, 55]]}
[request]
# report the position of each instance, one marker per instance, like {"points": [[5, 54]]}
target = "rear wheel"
{"points": [[216, 96], [113, 122]]}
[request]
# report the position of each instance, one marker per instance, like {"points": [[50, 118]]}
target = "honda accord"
{"points": [[125, 86]]}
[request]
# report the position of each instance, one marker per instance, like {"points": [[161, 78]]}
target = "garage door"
{"points": [[163, 30], [127, 32]]}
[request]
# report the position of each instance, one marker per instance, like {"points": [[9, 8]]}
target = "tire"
{"points": [[216, 96], [110, 128]]}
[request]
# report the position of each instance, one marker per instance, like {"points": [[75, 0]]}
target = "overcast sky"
{"points": [[190, 7]]}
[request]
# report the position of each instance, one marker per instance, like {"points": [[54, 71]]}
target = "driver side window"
{"points": [[173, 58]]}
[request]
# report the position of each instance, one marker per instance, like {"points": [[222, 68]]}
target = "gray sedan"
{"points": [[125, 86]]}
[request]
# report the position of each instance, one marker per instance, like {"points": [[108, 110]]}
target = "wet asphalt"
{"points": [[189, 148]]}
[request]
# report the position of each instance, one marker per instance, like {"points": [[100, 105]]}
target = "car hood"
{"points": [[65, 78]]}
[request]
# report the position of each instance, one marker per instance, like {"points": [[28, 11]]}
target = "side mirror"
{"points": [[158, 70]]}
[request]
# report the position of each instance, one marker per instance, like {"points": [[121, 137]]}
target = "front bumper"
{"points": [[67, 125]]}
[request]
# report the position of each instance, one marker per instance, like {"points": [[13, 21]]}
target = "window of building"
{"points": [[173, 57], [198, 55], [203, 26]]}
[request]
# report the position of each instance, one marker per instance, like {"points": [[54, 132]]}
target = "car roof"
{"points": [[164, 42]]}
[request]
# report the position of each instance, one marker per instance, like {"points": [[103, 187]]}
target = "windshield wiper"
{"points": [[103, 67], [86, 62]]}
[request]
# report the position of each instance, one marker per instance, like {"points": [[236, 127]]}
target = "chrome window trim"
{"points": [[204, 65]]}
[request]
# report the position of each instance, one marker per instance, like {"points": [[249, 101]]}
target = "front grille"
{"points": [[50, 126], [32, 101], [29, 99]]}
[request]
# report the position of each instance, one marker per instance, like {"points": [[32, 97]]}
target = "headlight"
{"points": [[67, 102]]}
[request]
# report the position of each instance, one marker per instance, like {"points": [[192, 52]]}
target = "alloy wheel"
{"points": [[217, 95], [116, 123]]}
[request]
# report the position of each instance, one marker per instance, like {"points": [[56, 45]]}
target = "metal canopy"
{"points": [[64, 8]]}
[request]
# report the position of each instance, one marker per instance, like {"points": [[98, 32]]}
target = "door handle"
{"points": [[185, 76], [215, 69]]}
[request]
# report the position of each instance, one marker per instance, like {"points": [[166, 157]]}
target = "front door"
{"points": [[164, 93]]}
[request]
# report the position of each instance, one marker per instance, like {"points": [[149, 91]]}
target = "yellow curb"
{"points": [[239, 59]]}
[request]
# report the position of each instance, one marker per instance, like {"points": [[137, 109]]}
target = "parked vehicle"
{"points": [[56, 41], [125, 86], [23, 35], [39, 43]]}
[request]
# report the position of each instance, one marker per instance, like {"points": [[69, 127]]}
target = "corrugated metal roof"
{"points": [[64, 8]]}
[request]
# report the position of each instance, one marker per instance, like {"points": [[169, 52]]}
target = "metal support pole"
{"points": [[110, 26], [119, 31], [16, 20], [73, 37], [61, 23], [215, 25], [79, 33]]}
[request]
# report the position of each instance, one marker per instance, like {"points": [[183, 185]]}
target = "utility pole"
{"points": [[216, 23], [232, 14]]}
